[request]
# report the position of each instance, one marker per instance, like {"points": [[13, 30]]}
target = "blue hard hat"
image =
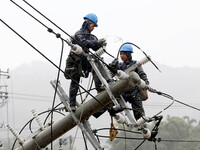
{"points": [[126, 48], [92, 17]]}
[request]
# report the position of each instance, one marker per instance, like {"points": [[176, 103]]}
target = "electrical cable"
{"points": [[50, 113], [31, 121], [142, 52], [174, 140], [136, 132], [63, 30], [170, 97], [31, 95], [186, 105], [88, 91], [88, 88], [140, 144], [52, 63], [51, 31], [57, 80], [85, 142], [120, 137]]}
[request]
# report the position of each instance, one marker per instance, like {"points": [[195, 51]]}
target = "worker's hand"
{"points": [[102, 42], [114, 66], [114, 63], [148, 86]]}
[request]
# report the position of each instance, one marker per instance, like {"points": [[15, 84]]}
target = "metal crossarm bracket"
{"points": [[84, 125], [103, 76]]}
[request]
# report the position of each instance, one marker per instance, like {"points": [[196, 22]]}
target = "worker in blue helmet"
{"points": [[77, 66], [92, 17], [133, 96]]}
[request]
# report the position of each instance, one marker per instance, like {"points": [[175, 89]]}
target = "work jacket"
{"points": [[78, 65]]}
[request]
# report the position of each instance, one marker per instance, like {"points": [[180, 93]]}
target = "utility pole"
{"points": [[4, 75], [3, 87], [43, 138]]}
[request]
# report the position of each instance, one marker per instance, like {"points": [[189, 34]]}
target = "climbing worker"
{"points": [[77, 65], [133, 96]]}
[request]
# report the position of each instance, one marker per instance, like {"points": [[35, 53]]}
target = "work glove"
{"points": [[102, 42], [114, 66], [115, 63]]}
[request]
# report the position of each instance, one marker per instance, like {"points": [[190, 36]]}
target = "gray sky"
{"points": [[169, 31]]}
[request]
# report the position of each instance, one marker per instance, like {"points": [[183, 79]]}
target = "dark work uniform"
{"points": [[77, 65], [133, 95]]}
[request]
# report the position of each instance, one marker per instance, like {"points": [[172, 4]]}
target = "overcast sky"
{"points": [[169, 30]]}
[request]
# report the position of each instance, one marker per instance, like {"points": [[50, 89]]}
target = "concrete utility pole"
{"points": [[60, 127], [4, 75]]}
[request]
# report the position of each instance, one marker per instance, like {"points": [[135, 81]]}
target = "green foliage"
{"points": [[171, 132]]}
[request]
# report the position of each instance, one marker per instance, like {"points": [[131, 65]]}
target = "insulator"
{"points": [[143, 61], [37, 119], [141, 121], [76, 49], [99, 52], [146, 133], [120, 118], [18, 137], [121, 74]]}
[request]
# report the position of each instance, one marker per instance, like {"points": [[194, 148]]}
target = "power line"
{"points": [[32, 95]]}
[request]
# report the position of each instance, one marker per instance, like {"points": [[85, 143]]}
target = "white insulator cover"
{"points": [[141, 121], [120, 118], [143, 61], [18, 137], [121, 74], [146, 133], [76, 49], [37, 119]]}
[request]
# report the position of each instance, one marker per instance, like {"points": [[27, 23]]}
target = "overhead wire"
{"points": [[142, 52], [53, 63], [89, 87], [58, 36], [50, 30], [57, 81], [31, 121], [170, 97]]}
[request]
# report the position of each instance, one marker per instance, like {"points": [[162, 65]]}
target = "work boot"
{"points": [[100, 89]]}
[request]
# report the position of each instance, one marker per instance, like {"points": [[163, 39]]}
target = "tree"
{"points": [[171, 132]]}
